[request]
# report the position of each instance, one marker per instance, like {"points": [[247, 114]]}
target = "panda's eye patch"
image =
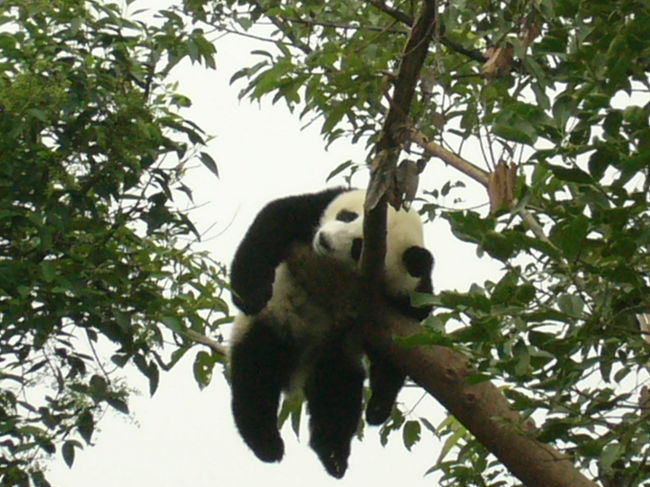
{"points": [[346, 216]]}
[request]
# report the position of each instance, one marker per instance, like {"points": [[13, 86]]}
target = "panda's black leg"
{"points": [[260, 365], [334, 396], [385, 384]]}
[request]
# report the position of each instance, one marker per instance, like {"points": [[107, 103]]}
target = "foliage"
{"points": [[95, 258], [561, 88]]}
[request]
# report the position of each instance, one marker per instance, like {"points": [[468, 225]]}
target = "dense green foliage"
{"points": [[92, 151], [94, 256], [561, 88]]}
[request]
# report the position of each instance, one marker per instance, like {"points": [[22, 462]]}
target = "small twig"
{"points": [[473, 54], [226, 30], [97, 359], [208, 342], [335, 25], [476, 173], [286, 31], [393, 12], [532, 223]]}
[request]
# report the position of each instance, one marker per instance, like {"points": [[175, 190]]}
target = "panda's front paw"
{"points": [[268, 449], [251, 303]]}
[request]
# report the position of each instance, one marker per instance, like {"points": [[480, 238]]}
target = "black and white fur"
{"points": [[283, 341]]}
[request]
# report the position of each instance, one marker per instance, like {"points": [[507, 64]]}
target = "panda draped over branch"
{"points": [[283, 340]]}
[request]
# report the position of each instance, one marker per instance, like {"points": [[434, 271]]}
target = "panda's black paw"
{"points": [[418, 261], [336, 463], [269, 449], [253, 301], [377, 412]]}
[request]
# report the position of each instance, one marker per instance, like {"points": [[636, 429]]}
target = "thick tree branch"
{"points": [[481, 408], [392, 134]]}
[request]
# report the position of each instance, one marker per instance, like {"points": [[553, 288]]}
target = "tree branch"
{"points": [[285, 30], [341, 26], [389, 144], [393, 12], [476, 173], [443, 373], [405, 19], [208, 342]]}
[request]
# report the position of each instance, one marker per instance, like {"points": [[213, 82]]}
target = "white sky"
{"points": [[184, 436]]}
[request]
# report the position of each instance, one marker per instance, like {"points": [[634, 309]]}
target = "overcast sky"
{"points": [[184, 436]]}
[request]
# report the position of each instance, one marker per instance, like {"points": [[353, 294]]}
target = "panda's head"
{"points": [[340, 236]]}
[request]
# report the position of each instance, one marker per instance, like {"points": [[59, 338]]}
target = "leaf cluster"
{"points": [[97, 265]]}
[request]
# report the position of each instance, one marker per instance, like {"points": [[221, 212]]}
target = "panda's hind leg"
{"points": [[334, 392], [385, 383], [261, 364]]}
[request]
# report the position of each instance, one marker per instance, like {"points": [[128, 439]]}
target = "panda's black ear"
{"points": [[418, 261]]}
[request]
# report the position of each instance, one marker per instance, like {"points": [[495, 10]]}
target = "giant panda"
{"points": [[283, 341]]}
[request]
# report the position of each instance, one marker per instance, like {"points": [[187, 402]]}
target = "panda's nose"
{"points": [[324, 242]]}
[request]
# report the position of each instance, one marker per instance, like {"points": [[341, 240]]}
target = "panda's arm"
{"points": [[266, 244]]}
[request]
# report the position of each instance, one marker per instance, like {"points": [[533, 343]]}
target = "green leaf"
{"points": [[203, 365], [478, 378], [38, 113], [118, 403], [570, 236], [427, 338], [571, 174], [411, 434], [68, 452], [291, 408], [154, 378], [39, 479], [209, 162], [86, 425], [48, 270], [564, 107], [571, 304], [120, 360], [450, 443], [522, 133], [610, 454], [339, 169], [123, 320], [174, 324], [600, 160]]}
